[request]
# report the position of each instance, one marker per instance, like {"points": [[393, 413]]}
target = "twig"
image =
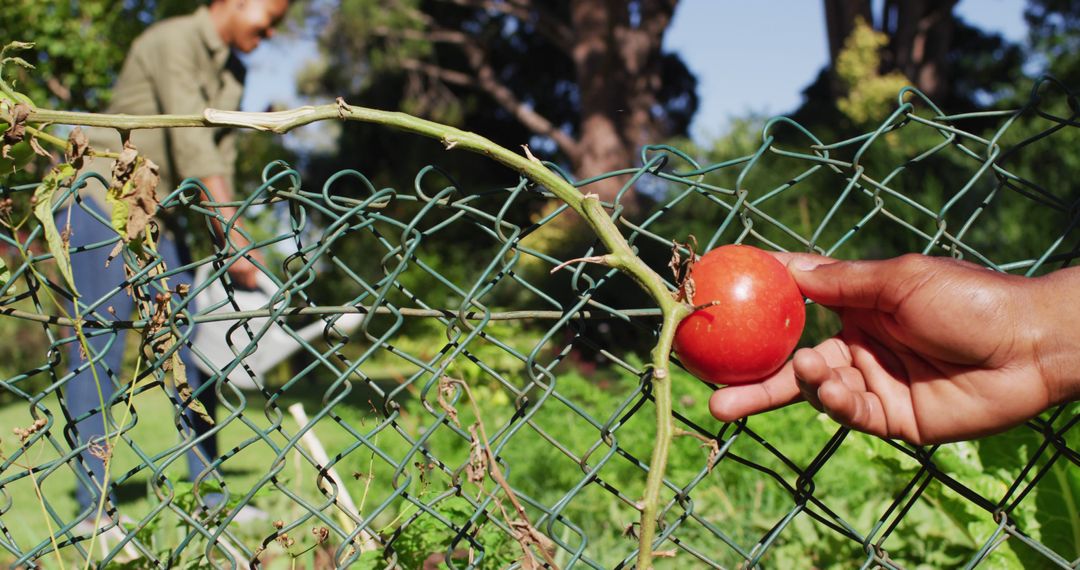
{"points": [[597, 259], [709, 443], [524, 532], [317, 450]]}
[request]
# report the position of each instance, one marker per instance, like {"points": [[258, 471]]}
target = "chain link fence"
{"points": [[410, 386]]}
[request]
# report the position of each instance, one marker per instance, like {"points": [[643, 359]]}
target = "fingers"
{"points": [[735, 402], [245, 273], [854, 284], [824, 376], [857, 409], [840, 392]]}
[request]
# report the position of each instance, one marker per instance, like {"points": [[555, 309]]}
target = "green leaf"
{"points": [[43, 197], [427, 535], [120, 208], [1056, 508], [5, 278], [20, 156], [370, 560]]}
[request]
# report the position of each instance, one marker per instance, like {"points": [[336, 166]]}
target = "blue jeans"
{"points": [[98, 283]]}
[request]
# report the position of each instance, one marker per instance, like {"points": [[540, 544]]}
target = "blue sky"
{"points": [[748, 55]]}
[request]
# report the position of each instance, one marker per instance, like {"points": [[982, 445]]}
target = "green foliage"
{"points": [[428, 535], [43, 204], [868, 92], [5, 276], [79, 46], [1054, 35]]}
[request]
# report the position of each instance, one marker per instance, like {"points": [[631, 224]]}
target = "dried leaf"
{"points": [[183, 389], [114, 252], [476, 470], [132, 193], [78, 145], [142, 201], [688, 289], [38, 149], [16, 130], [124, 166], [43, 199], [676, 260], [681, 269], [157, 322], [19, 156], [446, 391]]}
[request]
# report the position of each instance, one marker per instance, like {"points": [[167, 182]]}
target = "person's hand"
{"points": [[244, 273], [931, 350]]}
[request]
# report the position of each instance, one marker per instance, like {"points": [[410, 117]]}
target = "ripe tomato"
{"points": [[753, 329]]}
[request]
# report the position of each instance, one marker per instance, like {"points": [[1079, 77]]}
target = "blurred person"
{"points": [[931, 350], [180, 65]]}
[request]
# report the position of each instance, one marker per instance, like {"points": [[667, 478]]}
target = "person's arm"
{"points": [[242, 270], [195, 152], [1056, 298], [931, 349]]}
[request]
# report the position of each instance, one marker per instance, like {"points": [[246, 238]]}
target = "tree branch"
{"points": [[439, 36], [556, 31], [484, 80], [502, 94]]}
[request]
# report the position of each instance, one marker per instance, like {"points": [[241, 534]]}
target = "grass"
{"points": [[155, 433], [590, 482]]}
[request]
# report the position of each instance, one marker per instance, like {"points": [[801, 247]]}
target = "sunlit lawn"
{"points": [[25, 520]]}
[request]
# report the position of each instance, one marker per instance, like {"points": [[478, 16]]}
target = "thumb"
{"points": [[853, 284]]}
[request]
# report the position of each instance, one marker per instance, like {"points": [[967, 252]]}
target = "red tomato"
{"points": [[757, 324]]}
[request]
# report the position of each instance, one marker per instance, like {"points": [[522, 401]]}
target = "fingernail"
{"points": [[805, 263]]}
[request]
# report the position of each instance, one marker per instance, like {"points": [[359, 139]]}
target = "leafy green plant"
{"points": [[428, 536]]}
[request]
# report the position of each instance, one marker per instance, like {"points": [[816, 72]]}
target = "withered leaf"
{"points": [[681, 269], [17, 130], [132, 192], [38, 149], [476, 470], [124, 166], [183, 389], [142, 199], [44, 196], [78, 145]]}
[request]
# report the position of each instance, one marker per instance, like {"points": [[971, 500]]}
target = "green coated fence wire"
{"points": [[412, 387]]}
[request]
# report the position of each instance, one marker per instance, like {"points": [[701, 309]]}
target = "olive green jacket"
{"points": [[177, 66]]}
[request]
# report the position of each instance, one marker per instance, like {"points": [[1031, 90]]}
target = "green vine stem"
{"points": [[621, 256]]}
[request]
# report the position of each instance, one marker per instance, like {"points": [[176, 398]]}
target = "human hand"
{"points": [[931, 350], [244, 272]]}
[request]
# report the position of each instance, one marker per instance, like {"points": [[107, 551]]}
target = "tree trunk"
{"points": [[920, 33], [598, 71], [617, 59], [840, 17], [920, 36]]}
